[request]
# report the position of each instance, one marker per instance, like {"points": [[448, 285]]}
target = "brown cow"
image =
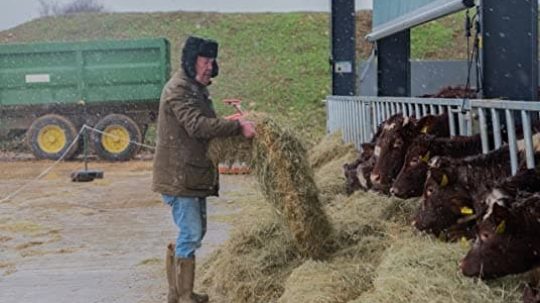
{"points": [[507, 242], [410, 180], [391, 146], [453, 92], [452, 186], [357, 173]]}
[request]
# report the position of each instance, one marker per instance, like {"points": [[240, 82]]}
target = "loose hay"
{"points": [[253, 264], [330, 179], [372, 253], [421, 269], [229, 150], [336, 281], [286, 180], [328, 149]]}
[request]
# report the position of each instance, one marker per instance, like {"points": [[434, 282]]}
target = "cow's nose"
{"points": [[375, 178], [393, 191]]}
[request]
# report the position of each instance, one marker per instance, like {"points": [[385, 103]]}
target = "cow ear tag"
{"points": [[424, 130], [425, 158], [444, 180], [466, 211], [501, 227]]}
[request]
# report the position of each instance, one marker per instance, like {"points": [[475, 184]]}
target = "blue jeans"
{"points": [[189, 215]]}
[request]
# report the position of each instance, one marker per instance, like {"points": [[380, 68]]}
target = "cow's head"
{"points": [[396, 136], [506, 242], [363, 171], [410, 180], [357, 173], [444, 202], [390, 148]]}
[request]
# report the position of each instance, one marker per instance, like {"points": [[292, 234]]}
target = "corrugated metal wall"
{"points": [[386, 10]]}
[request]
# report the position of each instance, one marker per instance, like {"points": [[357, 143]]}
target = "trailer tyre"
{"points": [[115, 136], [51, 136]]}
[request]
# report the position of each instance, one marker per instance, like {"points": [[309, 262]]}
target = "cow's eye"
{"points": [[484, 236], [414, 161], [398, 143]]}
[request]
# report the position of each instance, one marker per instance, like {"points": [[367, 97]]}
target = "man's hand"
{"points": [[248, 128]]}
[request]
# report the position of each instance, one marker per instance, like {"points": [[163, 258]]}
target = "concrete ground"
{"points": [[102, 241]]}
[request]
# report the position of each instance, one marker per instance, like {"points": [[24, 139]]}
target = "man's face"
{"points": [[203, 69]]}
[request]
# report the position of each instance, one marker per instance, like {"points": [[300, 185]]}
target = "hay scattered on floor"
{"points": [[330, 178], [328, 149], [421, 269], [374, 254], [336, 281], [287, 182], [253, 265]]}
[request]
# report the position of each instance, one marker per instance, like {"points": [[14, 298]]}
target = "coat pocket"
{"points": [[199, 176]]}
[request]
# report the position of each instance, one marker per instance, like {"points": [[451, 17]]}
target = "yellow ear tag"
{"points": [[501, 227], [425, 158], [466, 211], [424, 130], [444, 181]]}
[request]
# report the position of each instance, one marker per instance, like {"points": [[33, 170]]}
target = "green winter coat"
{"points": [[186, 123]]}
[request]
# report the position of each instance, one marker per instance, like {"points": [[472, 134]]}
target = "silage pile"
{"points": [[373, 255]]}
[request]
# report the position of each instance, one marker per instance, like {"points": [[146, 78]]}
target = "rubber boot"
{"points": [[172, 295], [185, 278]]}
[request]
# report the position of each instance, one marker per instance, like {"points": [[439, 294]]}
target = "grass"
{"points": [[275, 62]]}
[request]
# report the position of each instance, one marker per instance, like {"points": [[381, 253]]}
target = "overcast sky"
{"points": [[14, 12]]}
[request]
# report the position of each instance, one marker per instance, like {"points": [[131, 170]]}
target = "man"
{"points": [[183, 173]]}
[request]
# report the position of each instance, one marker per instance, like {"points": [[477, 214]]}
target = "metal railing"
{"points": [[358, 117]]}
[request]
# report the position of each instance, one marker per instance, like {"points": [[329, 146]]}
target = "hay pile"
{"points": [[422, 269], [373, 253], [327, 159], [253, 265], [328, 149], [286, 181]]}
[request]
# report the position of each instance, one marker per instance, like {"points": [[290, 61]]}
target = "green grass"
{"points": [[276, 63]]}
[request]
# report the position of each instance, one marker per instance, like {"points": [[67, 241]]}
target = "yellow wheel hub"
{"points": [[116, 139], [51, 139]]}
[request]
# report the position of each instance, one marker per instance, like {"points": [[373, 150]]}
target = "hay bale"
{"points": [[253, 265], [421, 269], [330, 178], [287, 182], [328, 149]]}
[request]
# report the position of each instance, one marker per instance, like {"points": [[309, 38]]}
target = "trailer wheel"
{"points": [[115, 136], [51, 136]]}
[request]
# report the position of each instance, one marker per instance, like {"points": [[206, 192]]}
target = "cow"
{"points": [[453, 92], [393, 142], [412, 176], [508, 240], [455, 188], [357, 173], [452, 186]]}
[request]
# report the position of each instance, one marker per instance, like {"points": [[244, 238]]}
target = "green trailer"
{"points": [[50, 90]]}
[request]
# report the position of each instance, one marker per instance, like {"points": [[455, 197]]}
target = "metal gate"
{"points": [[358, 117]]}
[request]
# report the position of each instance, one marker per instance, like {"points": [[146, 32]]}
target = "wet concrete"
{"points": [[94, 242]]}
